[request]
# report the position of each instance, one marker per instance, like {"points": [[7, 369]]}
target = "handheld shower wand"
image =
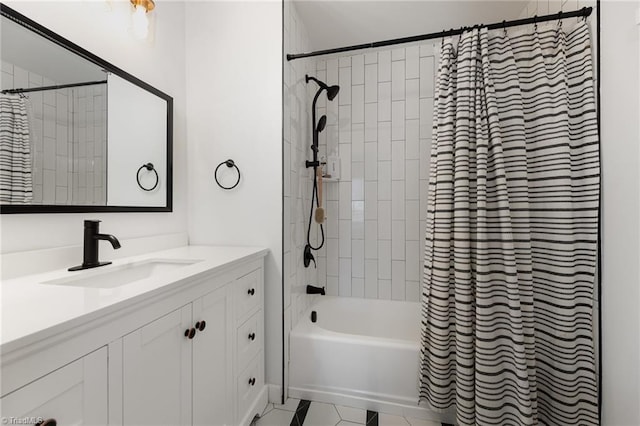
{"points": [[317, 127]]}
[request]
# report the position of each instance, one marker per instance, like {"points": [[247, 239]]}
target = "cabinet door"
{"points": [[212, 373], [75, 394], [157, 372]]}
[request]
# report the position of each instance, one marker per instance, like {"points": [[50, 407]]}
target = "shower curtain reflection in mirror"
{"points": [[15, 151]]}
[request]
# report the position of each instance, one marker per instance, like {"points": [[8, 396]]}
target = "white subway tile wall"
{"points": [[384, 121], [68, 139]]}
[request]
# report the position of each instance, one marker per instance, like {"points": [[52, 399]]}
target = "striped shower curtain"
{"points": [[512, 222], [15, 151]]}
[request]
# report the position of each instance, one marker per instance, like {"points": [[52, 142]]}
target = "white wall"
{"points": [[234, 90], [159, 61], [620, 81]]}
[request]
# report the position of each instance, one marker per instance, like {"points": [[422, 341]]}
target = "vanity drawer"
{"points": [[248, 291], [249, 340], [250, 382]]}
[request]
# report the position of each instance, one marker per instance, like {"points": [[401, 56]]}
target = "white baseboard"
{"points": [[275, 394], [414, 411]]}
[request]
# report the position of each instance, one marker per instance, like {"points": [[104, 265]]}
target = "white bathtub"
{"points": [[360, 352]]}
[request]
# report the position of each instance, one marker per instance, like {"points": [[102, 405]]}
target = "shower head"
{"points": [[332, 91], [321, 123]]}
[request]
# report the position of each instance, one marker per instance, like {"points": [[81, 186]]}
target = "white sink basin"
{"points": [[111, 276]]}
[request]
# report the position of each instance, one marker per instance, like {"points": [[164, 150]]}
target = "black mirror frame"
{"points": [[22, 20]]}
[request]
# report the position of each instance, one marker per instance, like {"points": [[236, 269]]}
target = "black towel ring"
{"points": [[229, 163], [149, 167]]}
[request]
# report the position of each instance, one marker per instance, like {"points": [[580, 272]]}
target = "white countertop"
{"points": [[32, 310]]}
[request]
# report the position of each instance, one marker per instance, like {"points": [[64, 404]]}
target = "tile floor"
{"points": [[321, 414]]}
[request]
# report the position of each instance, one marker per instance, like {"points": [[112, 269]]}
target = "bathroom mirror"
{"points": [[77, 133]]}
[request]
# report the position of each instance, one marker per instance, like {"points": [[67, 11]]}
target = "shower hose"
{"points": [[314, 195]]}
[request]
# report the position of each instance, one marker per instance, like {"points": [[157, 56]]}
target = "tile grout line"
{"points": [[339, 416]]}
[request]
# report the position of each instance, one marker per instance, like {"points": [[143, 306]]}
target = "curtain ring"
{"points": [[504, 28], [560, 19], [535, 22], [584, 14]]}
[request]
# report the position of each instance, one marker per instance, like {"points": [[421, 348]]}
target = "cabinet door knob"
{"points": [[47, 422], [190, 332], [252, 336], [252, 381], [251, 291], [200, 325]]}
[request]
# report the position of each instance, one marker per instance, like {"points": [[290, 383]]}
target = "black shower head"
{"points": [[321, 123], [332, 91]]}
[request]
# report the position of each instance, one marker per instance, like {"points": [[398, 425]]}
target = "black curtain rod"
{"points": [[60, 86], [585, 11]]}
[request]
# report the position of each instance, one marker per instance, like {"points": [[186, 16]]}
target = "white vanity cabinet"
{"points": [[184, 369], [193, 355], [75, 394], [175, 368]]}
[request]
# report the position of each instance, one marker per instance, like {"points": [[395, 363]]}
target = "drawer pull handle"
{"points": [[252, 336], [251, 291], [48, 422], [252, 381], [200, 325], [190, 332]]}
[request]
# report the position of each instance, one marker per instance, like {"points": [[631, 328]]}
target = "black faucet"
{"points": [[91, 238], [315, 290]]}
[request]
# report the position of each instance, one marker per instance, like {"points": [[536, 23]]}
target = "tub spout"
{"points": [[315, 290]]}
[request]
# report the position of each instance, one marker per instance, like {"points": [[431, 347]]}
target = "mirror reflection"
{"points": [[73, 133]]}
